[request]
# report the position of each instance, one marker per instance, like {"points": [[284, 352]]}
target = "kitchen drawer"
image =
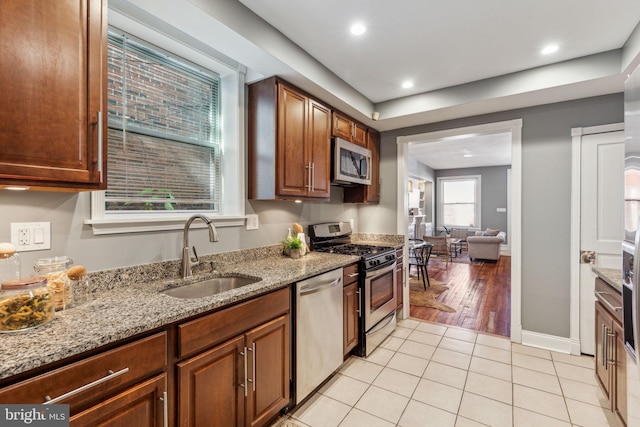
{"points": [[121, 366], [399, 256], [610, 298], [350, 274], [211, 329]]}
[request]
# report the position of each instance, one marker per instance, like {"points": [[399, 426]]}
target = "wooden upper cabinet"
{"points": [[347, 128], [53, 84], [289, 143], [368, 193]]}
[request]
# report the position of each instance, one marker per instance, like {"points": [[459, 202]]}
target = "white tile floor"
{"points": [[431, 375]]}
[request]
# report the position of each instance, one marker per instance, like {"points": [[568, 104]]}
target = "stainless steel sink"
{"points": [[209, 287]]}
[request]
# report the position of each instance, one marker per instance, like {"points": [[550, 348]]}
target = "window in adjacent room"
{"points": [[459, 201]]}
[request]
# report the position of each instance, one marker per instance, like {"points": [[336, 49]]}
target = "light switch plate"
{"points": [[253, 223], [31, 236]]}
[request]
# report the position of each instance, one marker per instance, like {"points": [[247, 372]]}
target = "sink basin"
{"points": [[209, 287]]}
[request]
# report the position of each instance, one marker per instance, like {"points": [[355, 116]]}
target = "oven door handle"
{"points": [[381, 325], [383, 270], [311, 289]]}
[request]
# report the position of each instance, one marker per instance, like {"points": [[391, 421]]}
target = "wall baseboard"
{"points": [[549, 342]]}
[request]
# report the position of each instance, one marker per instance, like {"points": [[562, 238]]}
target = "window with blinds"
{"points": [[164, 147], [459, 201]]}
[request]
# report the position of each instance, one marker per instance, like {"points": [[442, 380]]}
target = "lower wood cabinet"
{"points": [[142, 405], [124, 386], [399, 276], [350, 303], [610, 358], [244, 381]]}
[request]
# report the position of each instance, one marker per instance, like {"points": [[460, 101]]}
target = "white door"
{"points": [[601, 218]]}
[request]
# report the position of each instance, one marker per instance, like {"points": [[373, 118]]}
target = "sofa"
{"points": [[485, 246]]}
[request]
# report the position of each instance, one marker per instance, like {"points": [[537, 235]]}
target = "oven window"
{"points": [[381, 289]]}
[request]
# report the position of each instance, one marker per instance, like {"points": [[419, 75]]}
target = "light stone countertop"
{"points": [[129, 303]]}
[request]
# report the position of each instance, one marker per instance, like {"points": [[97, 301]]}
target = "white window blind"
{"points": [[164, 147]]}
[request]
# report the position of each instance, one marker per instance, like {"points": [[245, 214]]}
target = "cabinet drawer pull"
{"points": [[253, 364], [244, 353], [353, 275], [100, 142], [165, 409], [607, 303], [111, 375]]}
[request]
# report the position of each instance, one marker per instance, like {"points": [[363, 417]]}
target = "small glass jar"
{"points": [[80, 285], [55, 270], [9, 262], [24, 304]]}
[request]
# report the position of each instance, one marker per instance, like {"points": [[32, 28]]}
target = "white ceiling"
{"points": [[466, 57], [443, 43], [464, 151]]}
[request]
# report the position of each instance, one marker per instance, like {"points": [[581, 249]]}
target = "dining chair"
{"points": [[419, 256]]}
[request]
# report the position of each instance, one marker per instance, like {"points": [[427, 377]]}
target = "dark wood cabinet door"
{"points": [[269, 348], [373, 144], [350, 314], [53, 85], [342, 126], [210, 391], [620, 373], [141, 405], [603, 348], [359, 134], [293, 168], [319, 149]]}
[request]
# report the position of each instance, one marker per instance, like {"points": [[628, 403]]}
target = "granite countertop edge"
{"points": [[613, 276], [133, 308]]}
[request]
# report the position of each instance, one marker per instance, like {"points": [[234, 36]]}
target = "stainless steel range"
{"points": [[376, 281]]}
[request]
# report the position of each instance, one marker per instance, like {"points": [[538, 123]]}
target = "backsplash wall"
{"points": [[71, 237]]}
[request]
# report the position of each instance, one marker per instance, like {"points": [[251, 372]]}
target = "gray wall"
{"points": [[546, 192], [493, 193], [70, 236]]}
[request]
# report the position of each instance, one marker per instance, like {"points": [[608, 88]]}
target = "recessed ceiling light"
{"points": [[467, 155], [549, 49], [358, 28], [407, 84]]}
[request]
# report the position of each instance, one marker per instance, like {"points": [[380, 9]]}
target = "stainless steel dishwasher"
{"points": [[318, 330]]}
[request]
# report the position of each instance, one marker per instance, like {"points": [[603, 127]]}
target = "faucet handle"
{"points": [[195, 254]]}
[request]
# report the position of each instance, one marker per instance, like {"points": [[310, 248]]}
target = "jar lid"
{"points": [[7, 250], [25, 283]]}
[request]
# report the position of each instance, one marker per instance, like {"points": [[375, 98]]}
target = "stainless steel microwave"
{"points": [[351, 163]]}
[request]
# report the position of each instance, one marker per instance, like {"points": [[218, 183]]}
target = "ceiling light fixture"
{"points": [[407, 84], [467, 155], [549, 49], [358, 29]]}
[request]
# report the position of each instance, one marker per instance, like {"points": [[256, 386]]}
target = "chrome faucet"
{"points": [[187, 262]]}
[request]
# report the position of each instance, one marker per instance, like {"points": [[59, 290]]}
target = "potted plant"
{"points": [[292, 246]]}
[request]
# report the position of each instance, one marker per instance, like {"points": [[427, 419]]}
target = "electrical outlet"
{"points": [[23, 237], [31, 236]]}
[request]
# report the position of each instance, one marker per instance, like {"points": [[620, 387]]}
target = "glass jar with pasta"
{"points": [[24, 304], [55, 270]]}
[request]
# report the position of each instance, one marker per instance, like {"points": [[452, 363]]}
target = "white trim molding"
{"points": [[515, 128], [548, 342]]}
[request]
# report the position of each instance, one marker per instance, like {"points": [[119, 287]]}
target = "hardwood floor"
{"points": [[479, 291]]}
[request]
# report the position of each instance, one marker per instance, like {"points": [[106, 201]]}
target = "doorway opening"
{"points": [[452, 144]]}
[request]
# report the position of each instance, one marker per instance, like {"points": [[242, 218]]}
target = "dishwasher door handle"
{"points": [[313, 288]]}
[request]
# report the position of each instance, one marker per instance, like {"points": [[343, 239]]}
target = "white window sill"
{"points": [[139, 225]]}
